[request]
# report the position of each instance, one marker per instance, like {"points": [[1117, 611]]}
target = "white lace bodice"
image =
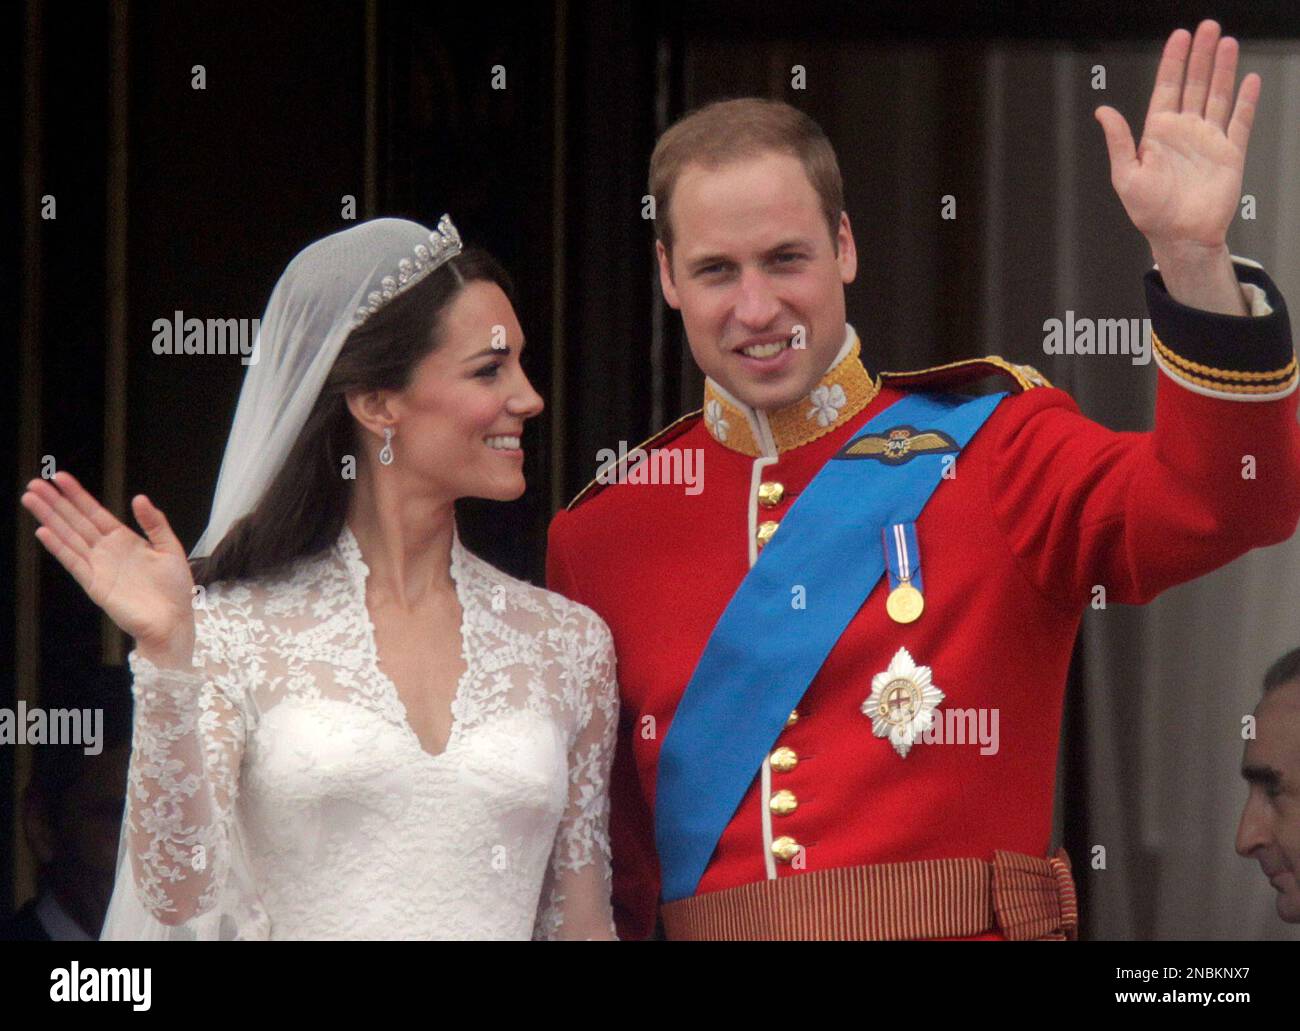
{"points": [[278, 790]]}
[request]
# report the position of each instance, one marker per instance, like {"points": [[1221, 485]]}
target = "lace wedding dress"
{"points": [[278, 790]]}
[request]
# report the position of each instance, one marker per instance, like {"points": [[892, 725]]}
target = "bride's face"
{"points": [[460, 419]]}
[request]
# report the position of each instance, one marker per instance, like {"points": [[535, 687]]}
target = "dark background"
{"points": [[174, 198]]}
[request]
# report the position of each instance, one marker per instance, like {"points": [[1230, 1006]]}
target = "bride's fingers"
{"points": [[54, 498], [56, 525], [72, 562], [103, 520], [155, 525]]}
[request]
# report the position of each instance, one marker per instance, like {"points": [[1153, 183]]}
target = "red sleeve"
{"points": [[1082, 505], [631, 826]]}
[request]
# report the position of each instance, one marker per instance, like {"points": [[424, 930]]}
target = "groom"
{"points": [[842, 664]]}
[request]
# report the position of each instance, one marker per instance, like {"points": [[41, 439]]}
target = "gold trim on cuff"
{"points": [[1187, 364]]}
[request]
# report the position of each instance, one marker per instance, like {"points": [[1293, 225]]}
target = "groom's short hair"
{"points": [[733, 130]]}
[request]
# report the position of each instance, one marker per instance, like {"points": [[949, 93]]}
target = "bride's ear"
{"points": [[372, 409]]}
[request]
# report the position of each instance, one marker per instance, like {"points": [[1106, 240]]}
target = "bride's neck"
{"points": [[405, 539]]}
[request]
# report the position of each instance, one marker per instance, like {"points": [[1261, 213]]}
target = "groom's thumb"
{"points": [[1119, 140]]}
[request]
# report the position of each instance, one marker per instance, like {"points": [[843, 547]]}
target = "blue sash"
{"points": [[765, 651]]}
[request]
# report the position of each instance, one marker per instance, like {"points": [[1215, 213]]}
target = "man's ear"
{"points": [[666, 276], [371, 408], [848, 255]]}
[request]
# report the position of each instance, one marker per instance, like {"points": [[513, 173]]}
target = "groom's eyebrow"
{"points": [[705, 260], [795, 244]]}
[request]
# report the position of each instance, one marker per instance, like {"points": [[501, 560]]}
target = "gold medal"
{"points": [[905, 603]]}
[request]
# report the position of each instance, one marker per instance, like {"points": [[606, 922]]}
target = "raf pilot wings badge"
{"points": [[899, 444]]}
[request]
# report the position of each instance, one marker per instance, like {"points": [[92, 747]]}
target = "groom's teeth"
{"points": [[764, 350], [503, 443]]}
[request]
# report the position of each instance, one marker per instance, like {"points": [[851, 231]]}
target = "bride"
{"points": [[347, 725]]}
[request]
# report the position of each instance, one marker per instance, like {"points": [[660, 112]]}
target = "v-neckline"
{"points": [[351, 550]]}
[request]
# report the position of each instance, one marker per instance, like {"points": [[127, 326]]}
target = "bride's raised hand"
{"points": [[145, 586]]}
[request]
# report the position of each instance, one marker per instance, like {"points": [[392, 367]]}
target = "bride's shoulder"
{"points": [[233, 598], [265, 595], [225, 615], [507, 595]]}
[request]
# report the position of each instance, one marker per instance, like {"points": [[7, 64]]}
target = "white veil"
{"points": [[328, 289]]}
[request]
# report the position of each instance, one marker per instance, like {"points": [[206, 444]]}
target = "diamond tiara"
{"points": [[444, 243]]}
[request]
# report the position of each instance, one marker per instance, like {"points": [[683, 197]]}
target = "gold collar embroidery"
{"points": [[845, 390]]}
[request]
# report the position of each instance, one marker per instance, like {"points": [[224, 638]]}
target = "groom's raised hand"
{"points": [[1181, 184]]}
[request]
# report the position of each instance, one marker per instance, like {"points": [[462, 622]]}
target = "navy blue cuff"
{"points": [[1243, 357]]}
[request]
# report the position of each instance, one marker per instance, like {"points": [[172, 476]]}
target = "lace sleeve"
{"points": [[575, 900], [181, 786]]}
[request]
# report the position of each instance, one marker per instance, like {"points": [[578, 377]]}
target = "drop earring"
{"points": [[386, 452]]}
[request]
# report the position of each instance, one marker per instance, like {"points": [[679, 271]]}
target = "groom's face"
{"points": [[757, 277]]}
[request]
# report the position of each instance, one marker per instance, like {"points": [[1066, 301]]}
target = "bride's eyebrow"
{"points": [[490, 352], [493, 352]]}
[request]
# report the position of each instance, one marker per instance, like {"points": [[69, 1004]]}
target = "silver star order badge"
{"points": [[902, 702]]}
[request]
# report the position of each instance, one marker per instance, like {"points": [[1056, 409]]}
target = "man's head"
{"points": [[754, 245], [1270, 823]]}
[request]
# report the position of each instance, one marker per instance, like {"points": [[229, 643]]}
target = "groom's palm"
{"points": [[1186, 181]]}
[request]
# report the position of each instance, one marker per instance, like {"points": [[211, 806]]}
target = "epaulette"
{"points": [[969, 370], [671, 431]]}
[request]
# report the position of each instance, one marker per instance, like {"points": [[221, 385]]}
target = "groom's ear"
{"points": [[846, 250], [666, 276]]}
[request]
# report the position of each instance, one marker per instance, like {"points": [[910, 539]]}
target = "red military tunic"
{"points": [[1044, 508]]}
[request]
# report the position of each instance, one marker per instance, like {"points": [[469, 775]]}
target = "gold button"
{"points": [[785, 848], [784, 759], [793, 718], [770, 494], [783, 803], [765, 531]]}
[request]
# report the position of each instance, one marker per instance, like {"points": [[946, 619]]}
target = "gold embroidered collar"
{"points": [[845, 390]]}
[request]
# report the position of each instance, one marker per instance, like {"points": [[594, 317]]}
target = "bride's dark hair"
{"points": [[302, 511]]}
